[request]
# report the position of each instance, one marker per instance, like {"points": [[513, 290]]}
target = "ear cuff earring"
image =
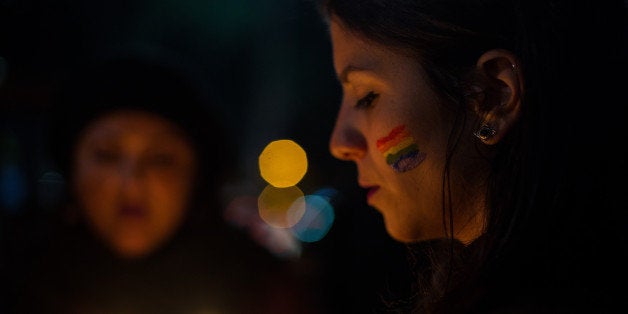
{"points": [[485, 132]]}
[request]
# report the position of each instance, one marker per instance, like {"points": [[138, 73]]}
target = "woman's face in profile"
{"points": [[133, 176], [393, 127]]}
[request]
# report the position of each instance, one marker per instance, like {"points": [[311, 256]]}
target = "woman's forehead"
{"points": [[119, 123]]}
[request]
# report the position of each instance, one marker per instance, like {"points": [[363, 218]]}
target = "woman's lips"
{"points": [[371, 191], [132, 211]]}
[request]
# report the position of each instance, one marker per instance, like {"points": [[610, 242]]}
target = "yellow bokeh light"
{"points": [[283, 163], [281, 207]]}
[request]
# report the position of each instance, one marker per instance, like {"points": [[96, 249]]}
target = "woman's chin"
{"points": [[400, 235], [132, 248]]}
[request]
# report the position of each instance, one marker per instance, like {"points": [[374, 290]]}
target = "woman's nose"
{"points": [[347, 142], [131, 169]]}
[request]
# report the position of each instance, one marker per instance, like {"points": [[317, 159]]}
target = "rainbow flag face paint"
{"points": [[400, 150]]}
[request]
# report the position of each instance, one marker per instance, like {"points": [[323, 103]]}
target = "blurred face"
{"points": [[133, 177], [391, 125]]}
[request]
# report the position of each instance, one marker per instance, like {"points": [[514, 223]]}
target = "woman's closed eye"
{"points": [[366, 101], [161, 159], [106, 155]]}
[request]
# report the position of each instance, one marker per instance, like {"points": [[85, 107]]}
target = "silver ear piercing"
{"points": [[485, 132], [514, 67]]}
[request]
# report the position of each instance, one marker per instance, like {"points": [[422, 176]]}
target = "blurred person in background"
{"points": [[141, 230]]}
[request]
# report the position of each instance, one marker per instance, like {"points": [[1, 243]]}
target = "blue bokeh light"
{"points": [[317, 220]]}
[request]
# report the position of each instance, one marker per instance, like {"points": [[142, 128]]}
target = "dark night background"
{"points": [[268, 66]]}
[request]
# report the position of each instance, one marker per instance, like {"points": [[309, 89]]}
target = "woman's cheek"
{"points": [[400, 150]]}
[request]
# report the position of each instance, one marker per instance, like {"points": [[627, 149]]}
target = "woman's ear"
{"points": [[502, 93]]}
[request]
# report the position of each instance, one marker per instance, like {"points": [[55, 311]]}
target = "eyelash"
{"points": [[366, 101]]}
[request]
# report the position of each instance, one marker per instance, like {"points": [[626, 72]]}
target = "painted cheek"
{"points": [[400, 150]]}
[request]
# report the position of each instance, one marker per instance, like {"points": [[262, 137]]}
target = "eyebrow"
{"points": [[343, 77]]}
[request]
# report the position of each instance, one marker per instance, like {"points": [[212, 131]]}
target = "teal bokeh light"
{"points": [[318, 218]]}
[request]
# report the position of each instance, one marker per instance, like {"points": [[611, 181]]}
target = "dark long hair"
{"points": [[554, 228]]}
